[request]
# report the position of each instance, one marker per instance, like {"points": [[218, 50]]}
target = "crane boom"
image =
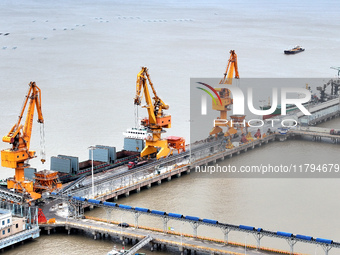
{"points": [[20, 137], [157, 119], [231, 67]]}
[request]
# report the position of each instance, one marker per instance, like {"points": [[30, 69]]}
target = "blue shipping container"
{"points": [[93, 201], [192, 218], [62, 165], [158, 212], [280, 233], [109, 204], [100, 154], [246, 227], [321, 240], [210, 221], [140, 209], [125, 207], [175, 215], [74, 162], [304, 237], [131, 144], [112, 151]]}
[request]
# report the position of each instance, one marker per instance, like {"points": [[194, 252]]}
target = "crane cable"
{"points": [[136, 116], [42, 143]]}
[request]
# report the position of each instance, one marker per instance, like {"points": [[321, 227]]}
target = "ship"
{"points": [[290, 108], [294, 50], [104, 157]]}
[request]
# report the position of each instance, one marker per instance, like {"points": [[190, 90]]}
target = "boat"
{"points": [[133, 145], [114, 251], [136, 133], [290, 107], [294, 50]]}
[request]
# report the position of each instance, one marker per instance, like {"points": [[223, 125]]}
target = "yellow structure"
{"points": [[46, 180], [231, 67], [229, 145], [227, 101], [156, 121], [249, 137], [19, 137]]}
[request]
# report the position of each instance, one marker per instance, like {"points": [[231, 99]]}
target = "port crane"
{"points": [[20, 137], [231, 67], [157, 119], [336, 68], [227, 101]]}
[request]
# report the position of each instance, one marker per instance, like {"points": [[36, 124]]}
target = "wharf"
{"points": [[145, 176], [184, 243], [20, 237]]}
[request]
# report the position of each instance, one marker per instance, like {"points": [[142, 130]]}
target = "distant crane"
{"points": [[156, 121], [226, 100], [20, 137], [336, 68], [231, 67]]}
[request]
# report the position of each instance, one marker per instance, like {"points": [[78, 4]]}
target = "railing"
{"points": [[139, 245], [23, 235]]}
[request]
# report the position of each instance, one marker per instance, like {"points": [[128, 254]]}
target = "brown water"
{"points": [[85, 57]]}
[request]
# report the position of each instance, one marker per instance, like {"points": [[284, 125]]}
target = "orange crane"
{"points": [[226, 99], [232, 65], [20, 137], [156, 121]]}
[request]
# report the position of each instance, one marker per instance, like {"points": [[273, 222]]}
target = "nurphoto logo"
{"points": [[233, 95]]}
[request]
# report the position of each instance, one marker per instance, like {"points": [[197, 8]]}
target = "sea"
{"points": [[85, 57]]}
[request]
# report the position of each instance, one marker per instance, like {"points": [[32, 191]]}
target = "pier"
{"points": [[80, 194], [103, 227], [183, 243]]}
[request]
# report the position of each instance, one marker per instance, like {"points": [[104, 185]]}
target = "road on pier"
{"points": [[158, 237]]}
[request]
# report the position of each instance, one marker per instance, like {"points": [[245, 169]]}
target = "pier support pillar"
{"points": [[48, 231], [291, 243], [226, 234], [169, 178], [148, 186], [179, 175], [258, 236], [127, 194], [326, 248], [137, 214], [94, 235], [165, 224], [138, 190], [245, 150], [194, 228], [69, 231], [231, 155], [188, 171], [159, 182], [122, 239], [214, 161], [238, 152]]}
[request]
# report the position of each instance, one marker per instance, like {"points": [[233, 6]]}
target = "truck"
{"points": [[133, 164], [334, 132]]}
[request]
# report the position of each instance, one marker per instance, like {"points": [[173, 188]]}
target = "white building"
{"points": [[10, 225]]}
